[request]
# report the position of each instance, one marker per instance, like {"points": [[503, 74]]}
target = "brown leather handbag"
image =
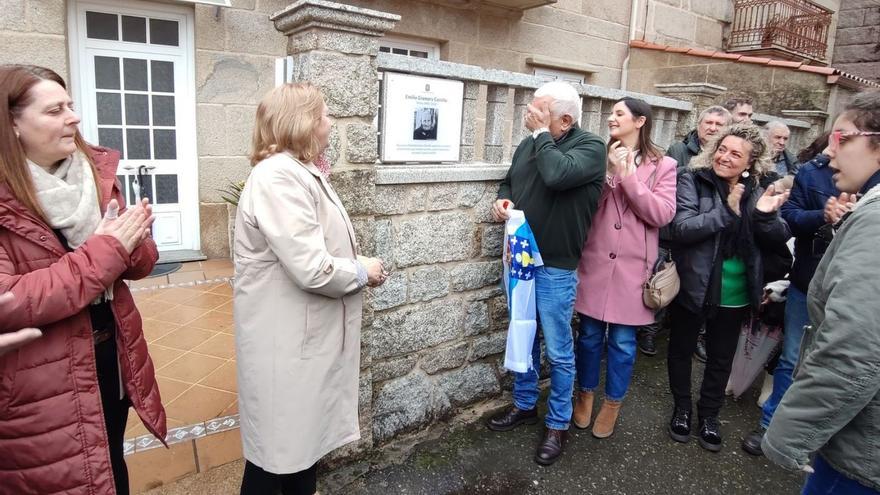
{"points": [[662, 283]]}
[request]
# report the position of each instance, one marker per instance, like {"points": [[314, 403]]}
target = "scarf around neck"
{"points": [[736, 238], [69, 198]]}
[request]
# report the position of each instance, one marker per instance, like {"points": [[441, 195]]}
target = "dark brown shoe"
{"points": [[550, 448], [511, 418]]}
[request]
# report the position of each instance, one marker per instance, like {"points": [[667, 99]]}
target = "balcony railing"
{"points": [[788, 29]]}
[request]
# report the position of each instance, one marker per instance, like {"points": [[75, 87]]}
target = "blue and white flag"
{"points": [[521, 258]]}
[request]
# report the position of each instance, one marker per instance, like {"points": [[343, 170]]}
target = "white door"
{"points": [[134, 73]]}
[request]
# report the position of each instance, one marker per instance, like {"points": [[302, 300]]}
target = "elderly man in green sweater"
{"points": [[555, 178]]}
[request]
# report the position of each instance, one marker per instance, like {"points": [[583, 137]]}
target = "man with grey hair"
{"points": [[711, 121], [777, 135], [555, 177]]}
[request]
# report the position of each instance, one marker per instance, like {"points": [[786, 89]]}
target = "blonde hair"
{"points": [[759, 158], [286, 121]]}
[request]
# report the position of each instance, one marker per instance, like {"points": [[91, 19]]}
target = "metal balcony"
{"points": [[786, 29]]}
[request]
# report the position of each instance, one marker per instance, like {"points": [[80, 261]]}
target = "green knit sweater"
{"points": [[557, 184]]}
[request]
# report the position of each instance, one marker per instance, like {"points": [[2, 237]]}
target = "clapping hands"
{"points": [[836, 208], [130, 228], [621, 160], [771, 201]]}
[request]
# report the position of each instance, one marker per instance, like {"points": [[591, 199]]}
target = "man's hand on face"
{"points": [[537, 115]]}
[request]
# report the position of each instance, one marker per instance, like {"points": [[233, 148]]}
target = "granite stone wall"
{"points": [[857, 47]]}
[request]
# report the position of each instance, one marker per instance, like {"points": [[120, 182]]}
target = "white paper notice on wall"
{"points": [[421, 118]]}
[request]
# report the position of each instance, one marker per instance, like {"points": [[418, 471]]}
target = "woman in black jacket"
{"points": [[722, 218]]}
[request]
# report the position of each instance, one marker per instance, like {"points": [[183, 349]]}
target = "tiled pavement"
{"points": [[188, 325]]}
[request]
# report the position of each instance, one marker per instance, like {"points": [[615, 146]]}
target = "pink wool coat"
{"points": [[612, 269]]}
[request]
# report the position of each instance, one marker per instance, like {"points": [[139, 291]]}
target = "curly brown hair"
{"points": [[759, 158]]}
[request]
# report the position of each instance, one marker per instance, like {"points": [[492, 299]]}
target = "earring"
{"points": [[745, 174], [17, 135]]}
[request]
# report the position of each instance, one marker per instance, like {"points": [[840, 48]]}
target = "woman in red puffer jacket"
{"points": [[64, 397]]}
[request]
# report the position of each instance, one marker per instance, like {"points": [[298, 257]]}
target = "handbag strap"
{"points": [[650, 188]]}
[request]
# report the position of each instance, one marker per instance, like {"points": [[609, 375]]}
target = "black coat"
{"points": [[682, 151], [695, 232]]}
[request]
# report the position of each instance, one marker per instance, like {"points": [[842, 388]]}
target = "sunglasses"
{"points": [[838, 137]]}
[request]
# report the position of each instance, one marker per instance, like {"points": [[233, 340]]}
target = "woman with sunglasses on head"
{"points": [[833, 404], [638, 198], [64, 398], [722, 218], [806, 215]]}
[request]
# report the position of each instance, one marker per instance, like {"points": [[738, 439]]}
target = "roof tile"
{"points": [[698, 52], [754, 60], [736, 58], [784, 63], [818, 70], [726, 56]]}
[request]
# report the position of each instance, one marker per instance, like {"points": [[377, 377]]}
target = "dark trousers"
{"points": [[256, 481], [115, 410], [654, 328], [722, 336]]}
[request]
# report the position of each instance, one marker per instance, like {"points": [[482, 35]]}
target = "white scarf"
{"points": [[69, 198]]}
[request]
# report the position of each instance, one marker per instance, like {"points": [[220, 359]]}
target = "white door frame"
{"points": [[185, 102]]}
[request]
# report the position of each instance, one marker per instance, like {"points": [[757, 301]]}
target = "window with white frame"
{"points": [[395, 45], [410, 48], [548, 74]]}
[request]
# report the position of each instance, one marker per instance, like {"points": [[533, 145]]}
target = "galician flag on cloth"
{"points": [[521, 257]]}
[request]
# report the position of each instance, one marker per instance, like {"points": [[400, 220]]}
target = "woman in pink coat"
{"points": [[638, 199]]}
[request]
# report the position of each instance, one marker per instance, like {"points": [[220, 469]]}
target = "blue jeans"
{"points": [[828, 481], [795, 319], [555, 289], [621, 342]]}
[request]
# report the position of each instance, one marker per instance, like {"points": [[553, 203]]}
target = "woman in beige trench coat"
{"points": [[297, 300]]}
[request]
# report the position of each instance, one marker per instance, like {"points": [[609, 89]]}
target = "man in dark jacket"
{"points": [[711, 121], [806, 215], [555, 178], [778, 135]]}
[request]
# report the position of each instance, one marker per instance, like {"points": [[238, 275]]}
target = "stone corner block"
{"points": [[390, 294], [469, 384], [492, 241], [470, 276], [477, 318], [445, 358], [428, 283], [487, 345], [434, 238], [406, 403], [307, 14], [415, 328], [356, 189], [362, 143]]}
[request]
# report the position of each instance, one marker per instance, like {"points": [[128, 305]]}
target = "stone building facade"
{"points": [[232, 52], [857, 47], [434, 333]]}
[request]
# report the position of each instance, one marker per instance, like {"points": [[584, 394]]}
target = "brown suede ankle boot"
{"points": [[604, 425], [583, 410]]}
